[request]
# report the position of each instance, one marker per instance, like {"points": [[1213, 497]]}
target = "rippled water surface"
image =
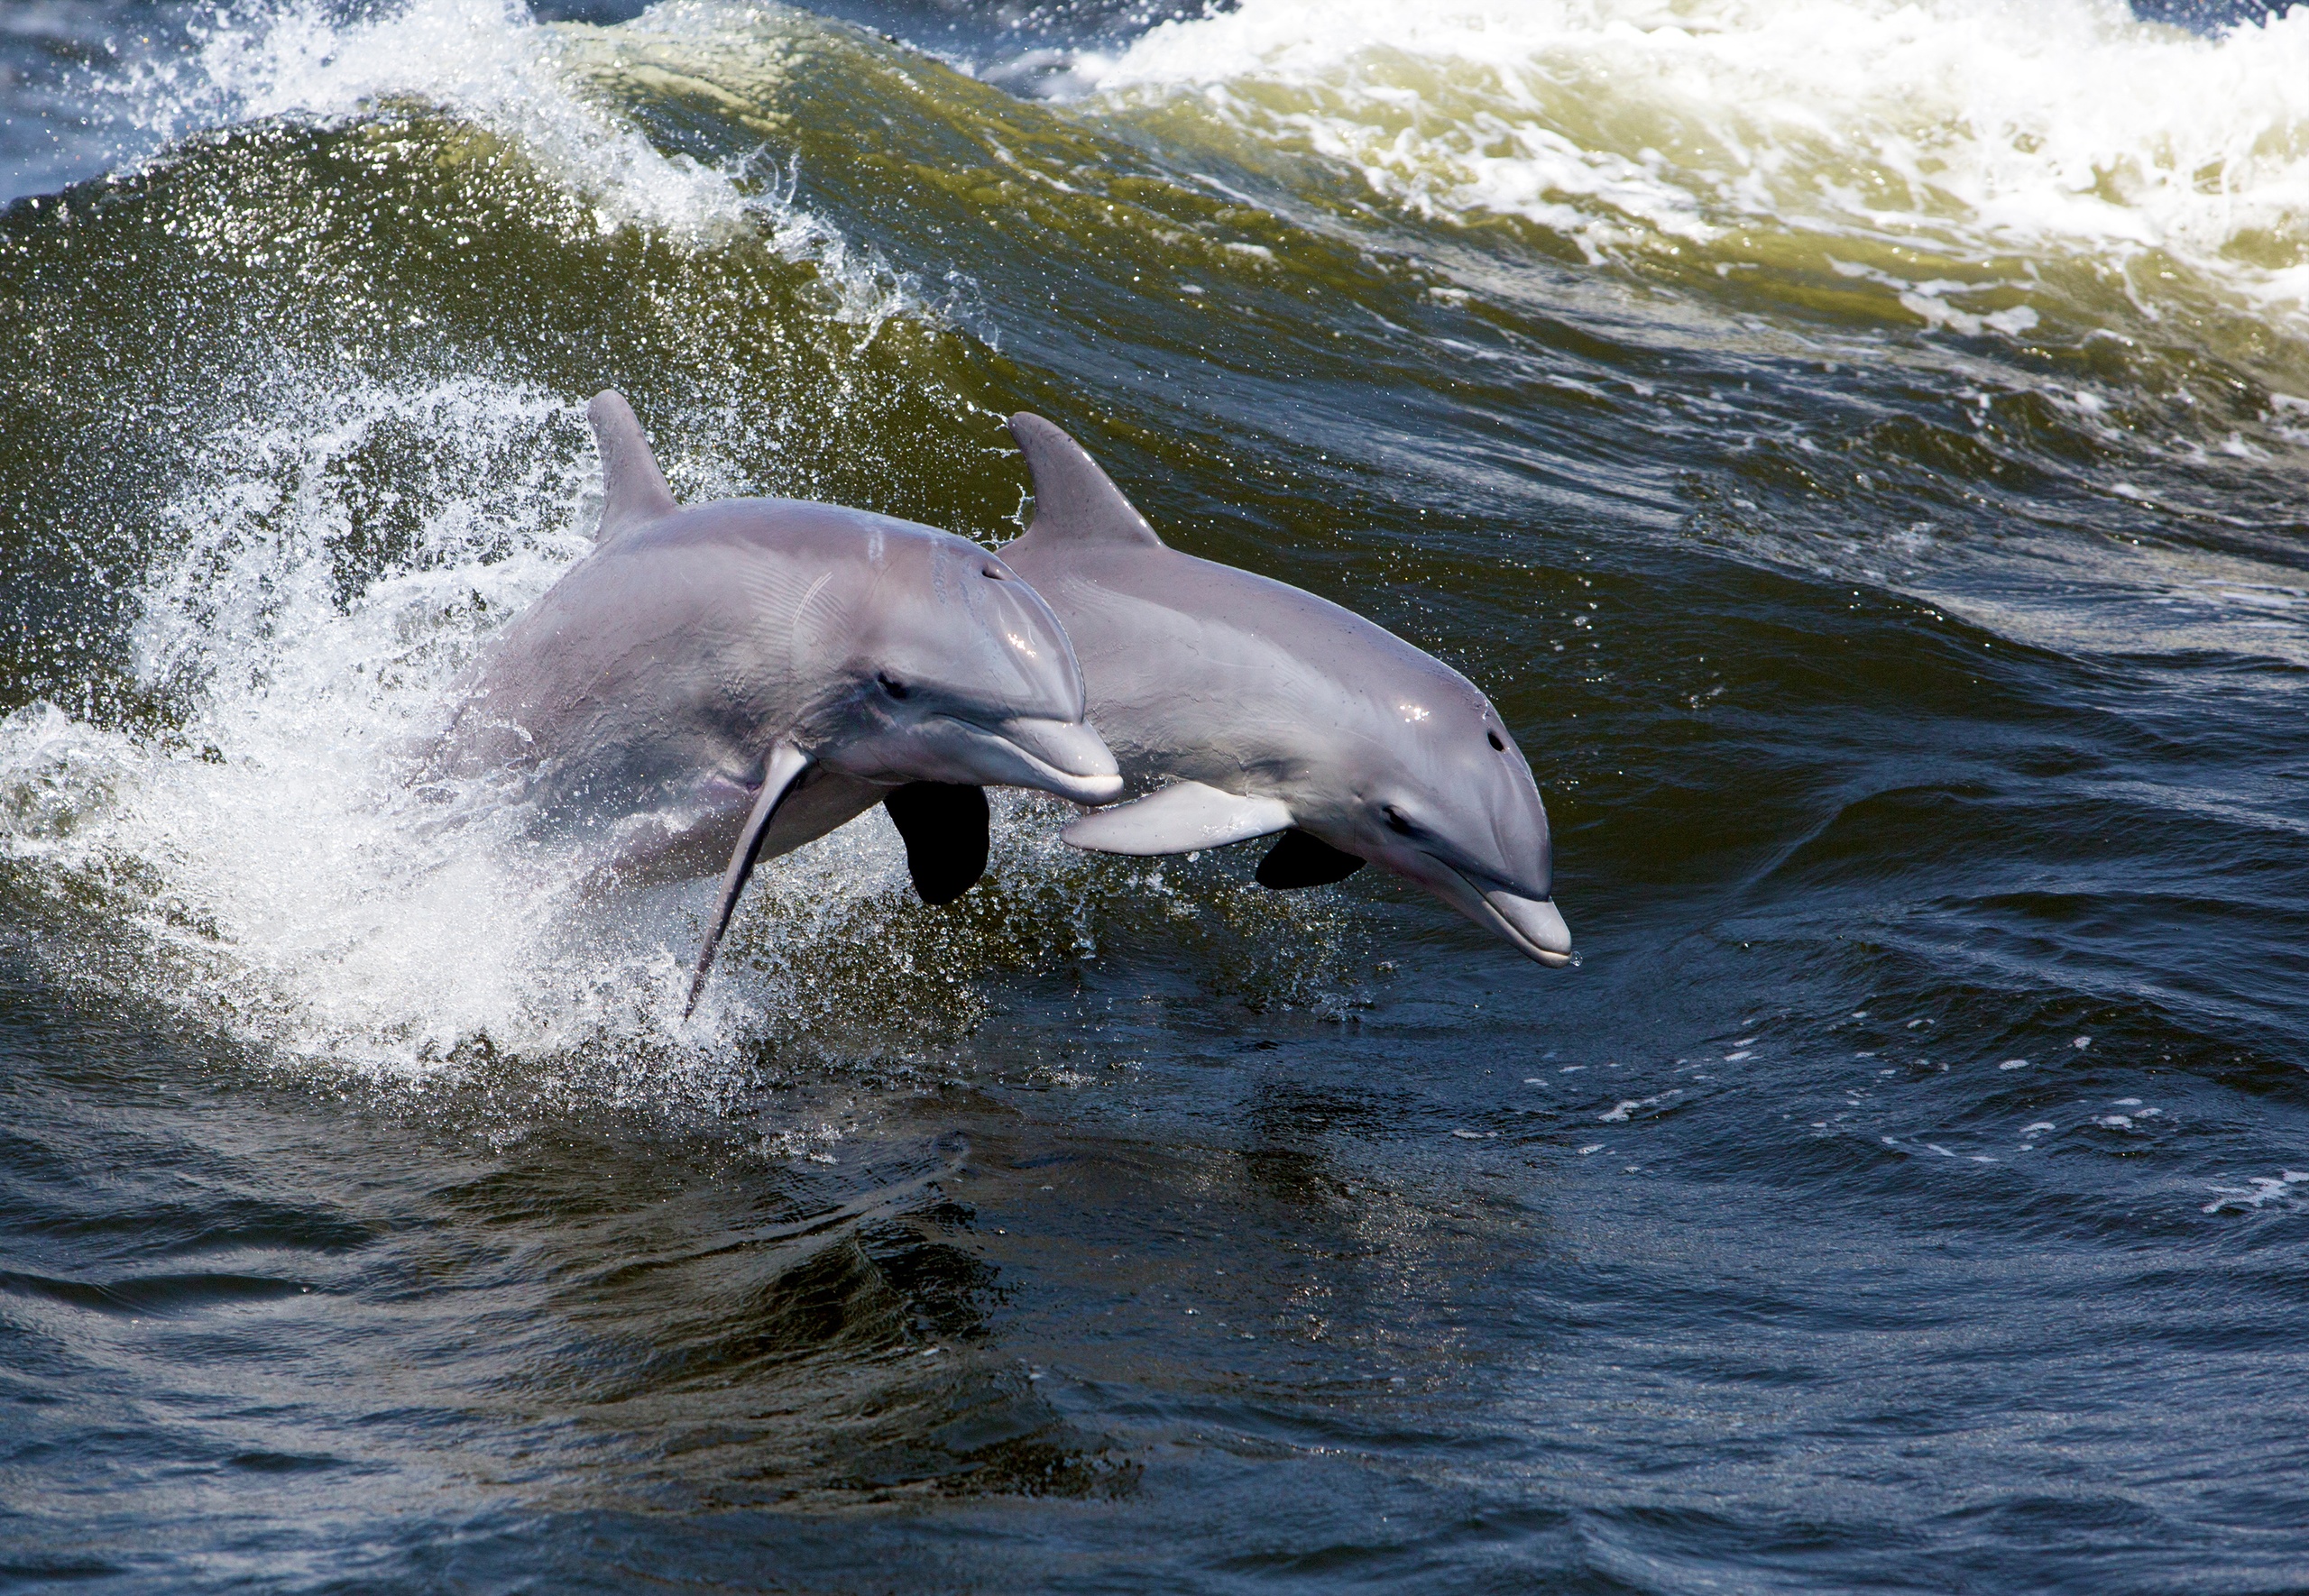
{"points": [[1862, 447]]}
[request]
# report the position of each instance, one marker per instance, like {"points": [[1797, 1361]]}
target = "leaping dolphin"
{"points": [[740, 677], [1267, 710]]}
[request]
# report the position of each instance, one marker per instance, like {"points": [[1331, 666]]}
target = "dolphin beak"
{"points": [[1067, 758], [1534, 925]]}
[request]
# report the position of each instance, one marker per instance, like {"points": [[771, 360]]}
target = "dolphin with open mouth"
{"points": [[735, 679], [1240, 707]]}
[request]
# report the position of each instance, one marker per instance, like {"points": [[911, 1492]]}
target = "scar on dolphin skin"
{"points": [[851, 659], [1247, 708]]}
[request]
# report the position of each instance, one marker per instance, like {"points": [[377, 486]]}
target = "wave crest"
{"points": [[1961, 126]]}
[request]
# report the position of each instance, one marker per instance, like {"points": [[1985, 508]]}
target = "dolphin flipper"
{"points": [[1302, 858], [945, 830], [633, 489], [1182, 818], [1074, 501], [784, 767]]}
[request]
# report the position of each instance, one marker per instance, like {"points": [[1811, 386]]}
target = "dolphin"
{"points": [[737, 678], [1239, 706]]}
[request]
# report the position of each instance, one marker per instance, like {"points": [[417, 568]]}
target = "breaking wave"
{"points": [[1969, 131]]}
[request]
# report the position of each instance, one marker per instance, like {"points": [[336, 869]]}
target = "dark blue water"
{"points": [[1860, 450]]}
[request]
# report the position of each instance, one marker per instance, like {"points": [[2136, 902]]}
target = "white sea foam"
{"points": [[485, 60], [270, 866], [262, 860], [1972, 127], [537, 85], [271, 858], [2286, 1187]]}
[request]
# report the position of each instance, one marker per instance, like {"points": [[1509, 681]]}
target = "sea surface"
{"points": [[1861, 446]]}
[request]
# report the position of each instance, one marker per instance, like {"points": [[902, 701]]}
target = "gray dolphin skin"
{"points": [[732, 680], [1240, 707]]}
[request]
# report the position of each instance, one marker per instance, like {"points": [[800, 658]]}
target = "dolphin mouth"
{"points": [[1533, 926], [1068, 758]]}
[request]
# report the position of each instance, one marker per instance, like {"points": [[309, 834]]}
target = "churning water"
{"points": [[1862, 448]]}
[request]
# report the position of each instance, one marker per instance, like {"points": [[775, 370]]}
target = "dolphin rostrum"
{"points": [[735, 679], [1270, 710]]}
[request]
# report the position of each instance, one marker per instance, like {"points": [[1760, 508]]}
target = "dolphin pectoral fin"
{"points": [[633, 490], [1302, 858], [1182, 818], [945, 830], [786, 763], [1074, 501]]}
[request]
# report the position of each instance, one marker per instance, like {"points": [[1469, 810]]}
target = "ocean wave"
{"points": [[552, 90], [485, 60], [260, 860], [1963, 128], [264, 864]]}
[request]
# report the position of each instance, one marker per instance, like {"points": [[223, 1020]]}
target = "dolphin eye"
{"points": [[1492, 737], [994, 573], [1397, 822], [893, 687]]}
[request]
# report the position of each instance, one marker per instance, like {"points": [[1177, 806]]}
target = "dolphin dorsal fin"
{"points": [[1074, 501], [632, 486]]}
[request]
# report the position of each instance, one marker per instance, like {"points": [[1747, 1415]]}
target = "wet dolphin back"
{"points": [[1195, 668], [1272, 709], [658, 657]]}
